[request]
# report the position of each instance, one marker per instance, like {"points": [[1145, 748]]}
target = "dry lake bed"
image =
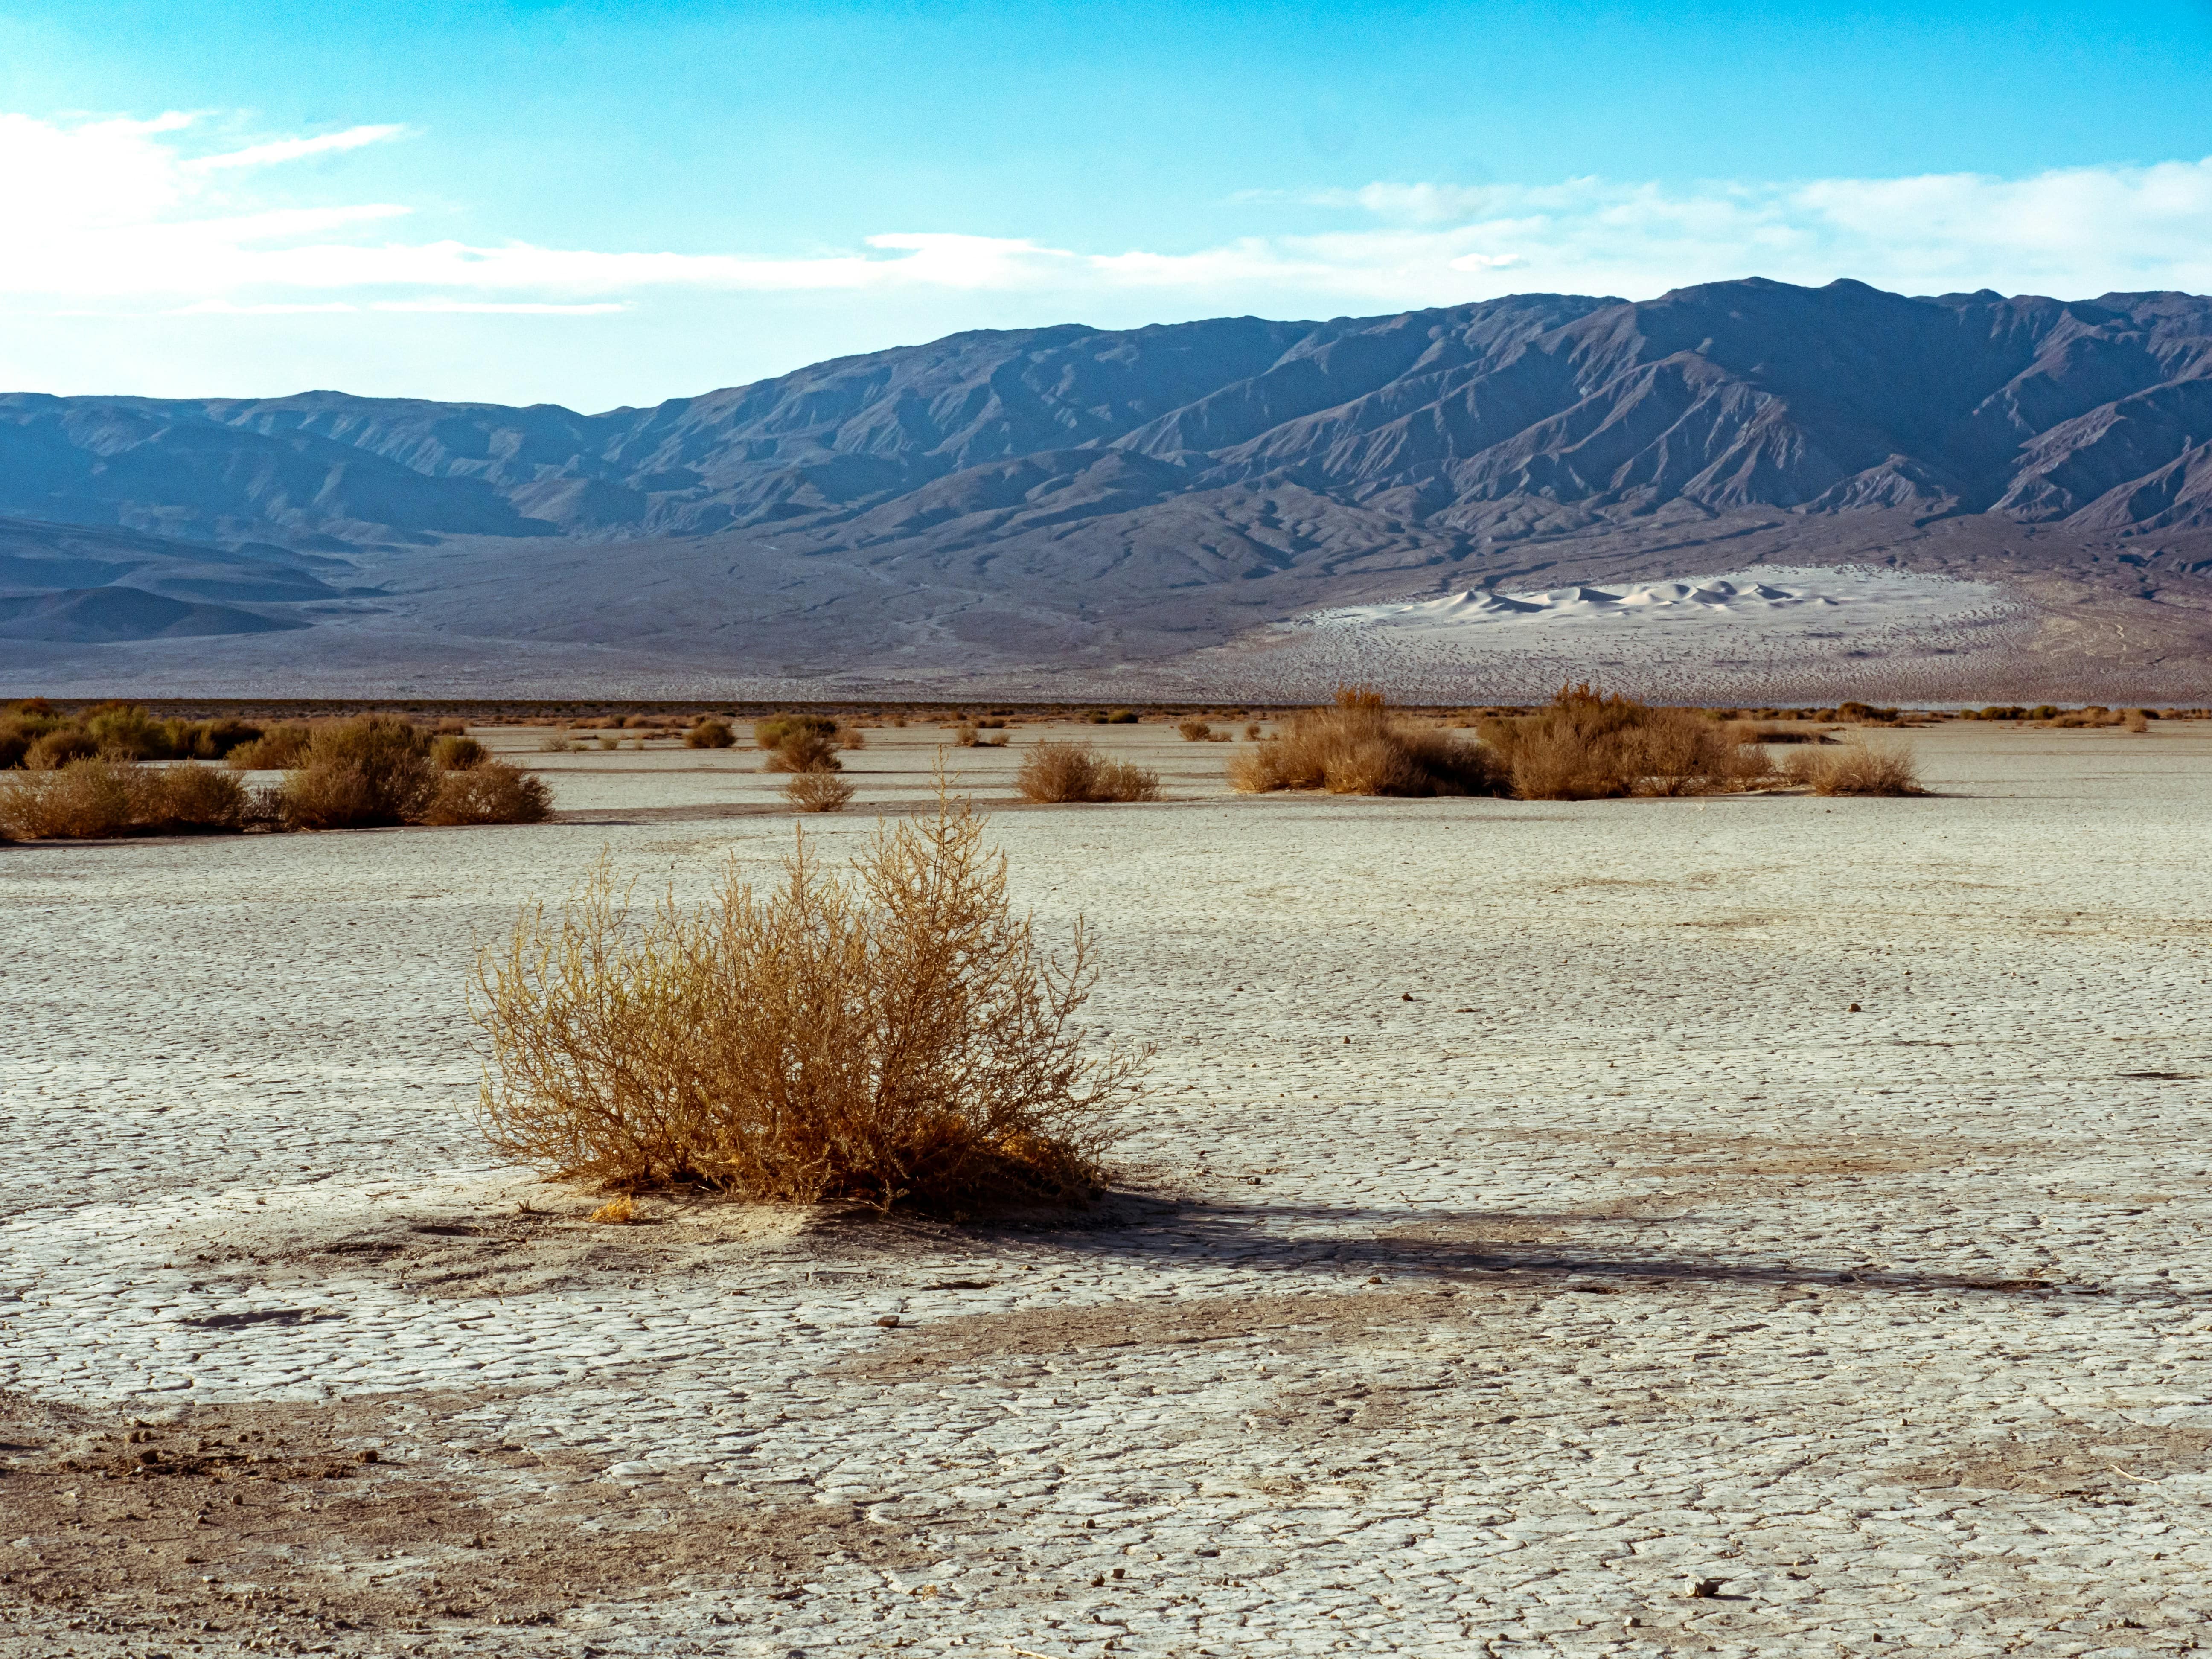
{"points": [[1762, 1226]]}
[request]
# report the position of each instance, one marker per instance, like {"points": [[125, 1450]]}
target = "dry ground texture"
{"points": [[1524, 1231]]}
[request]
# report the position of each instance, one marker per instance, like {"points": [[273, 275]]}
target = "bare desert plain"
{"points": [[1748, 1226]]}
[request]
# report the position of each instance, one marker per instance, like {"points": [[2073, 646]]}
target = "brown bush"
{"points": [[189, 800], [965, 735], [1857, 769], [891, 1036], [93, 798], [57, 748], [1358, 747], [771, 733], [2138, 720], [492, 793], [1060, 772], [81, 800], [361, 773], [1590, 746], [279, 749], [453, 752], [710, 734], [818, 792], [1195, 730], [805, 749]]}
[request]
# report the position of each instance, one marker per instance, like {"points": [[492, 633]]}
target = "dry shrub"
{"points": [[493, 792], [1252, 731], [1076, 772], [361, 773], [616, 1213], [2138, 720], [818, 792], [279, 749], [892, 1035], [710, 734], [771, 734], [57, 749], [193, 800], [1358, 747], [805, 749], [81, 800], [93, 798], [1857, 769], [455, 753], [1590, 746], [557, 742], [609, 741], [964, 736]]}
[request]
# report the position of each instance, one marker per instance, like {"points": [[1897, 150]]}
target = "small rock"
{"points": [[1853, 1009], [889, 1322], [368, 1457], [1702, 1590]]}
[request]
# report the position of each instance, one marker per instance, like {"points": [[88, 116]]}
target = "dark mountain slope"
{"points": [[1734, 395], [1124, 494]]}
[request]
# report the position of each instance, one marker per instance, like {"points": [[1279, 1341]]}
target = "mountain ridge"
{"points": [[1079, 497]]}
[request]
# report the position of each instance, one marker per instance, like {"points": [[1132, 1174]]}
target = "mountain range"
{"points": [[1076, 501]]}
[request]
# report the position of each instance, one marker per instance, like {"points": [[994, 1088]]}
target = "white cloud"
{"points": [[497, 307], [133, 214], [292, 149]]}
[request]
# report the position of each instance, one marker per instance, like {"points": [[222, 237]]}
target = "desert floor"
{"points": [[1764, 1225]]}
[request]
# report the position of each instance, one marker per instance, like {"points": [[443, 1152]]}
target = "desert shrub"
{"points": [[216, 740], [491, 791], [1059, 772], [805, 749], [1768, 734], [1591, 746], [1252, 731], [851, 737], [361, 773], [1358, 747], [771, 734], [893, 1035], [1195, 730], [449, 728], [276, 750], [124, 729], [2138, 720], [80, 800], [965, 735], [192, 799], [1857, 769], [556, 743], [99, 797], [710, 734], [59, 747], [452, 752], [818, 792]]}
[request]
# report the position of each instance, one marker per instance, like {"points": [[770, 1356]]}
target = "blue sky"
{"points": [[600, 204]]}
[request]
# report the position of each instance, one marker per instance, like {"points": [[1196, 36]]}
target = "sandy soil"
{"points": [[1759, 1225]]}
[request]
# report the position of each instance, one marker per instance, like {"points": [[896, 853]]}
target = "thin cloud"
{"points": [[500, 308], [293, 150], [118, 211]]}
